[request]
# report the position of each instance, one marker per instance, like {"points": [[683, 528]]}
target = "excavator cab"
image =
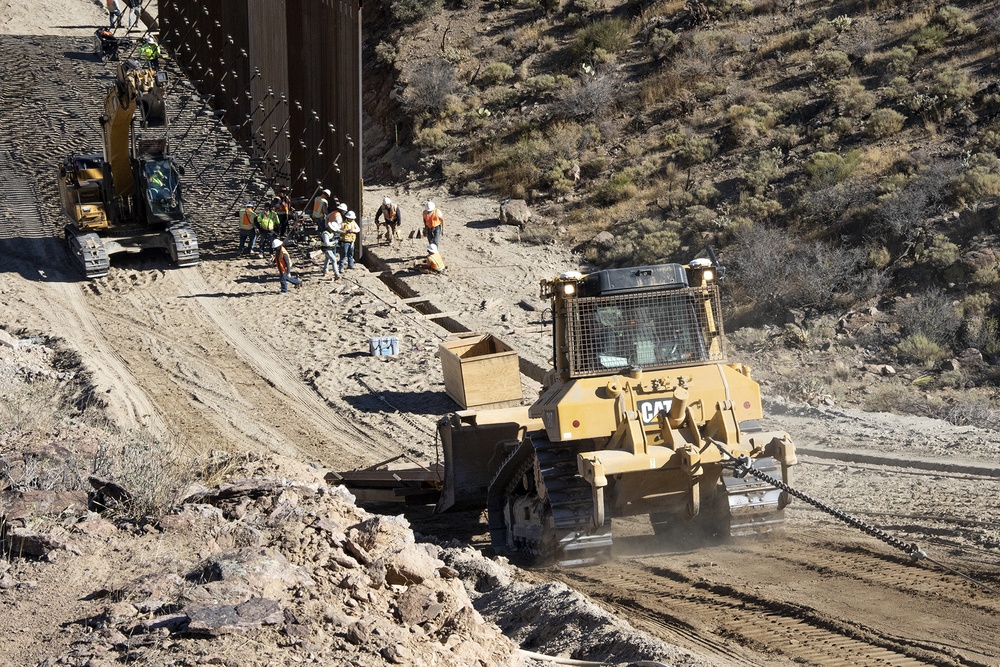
{"points": [[161, 182]]}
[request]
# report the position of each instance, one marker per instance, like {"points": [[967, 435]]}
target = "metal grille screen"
{"points": [[651, 330]]}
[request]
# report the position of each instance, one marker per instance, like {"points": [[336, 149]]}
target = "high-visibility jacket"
{"points": [[268, 221], [390, 212], [247, 219], [320, 205], [150, 51], [282, 260], [349, 231], [283, 205], [432, 219], [435, 262], [329, 239], [336, 218]]}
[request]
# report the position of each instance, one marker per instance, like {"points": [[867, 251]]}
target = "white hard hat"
{"points": [[432, 248], [276, 243], [326, 192], [149, 39], [331, 225], [350, 215], [342, 207], [386, 201], [429, 206]]}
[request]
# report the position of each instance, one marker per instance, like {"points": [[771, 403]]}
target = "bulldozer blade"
{"points": [[475, 443]]}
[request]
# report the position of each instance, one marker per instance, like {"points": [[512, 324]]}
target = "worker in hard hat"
{"points": [[330, 240], [389, 211], [134, 9], [248, 229], [151, 51], [268, 223], [433, 223], [349, 231], [336, 216], [434, 262], [283, 261], [282, 206], [321, 208]]}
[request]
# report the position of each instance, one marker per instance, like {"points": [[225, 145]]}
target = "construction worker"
{"points": [[349, 231], [390, 212], [283, 261], [159, 189], [282, 206], [321, 208], [248, 229], [134, 9], [330, 239], [337, 216], [114, 13], [435, 263], [433, 223], [151, 51], [268, 222]]}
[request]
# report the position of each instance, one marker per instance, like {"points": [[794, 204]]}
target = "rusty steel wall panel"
{"points": [[246, 54]]}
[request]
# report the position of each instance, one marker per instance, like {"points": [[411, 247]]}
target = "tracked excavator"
{"points": [[642, 414], [128, 198]]}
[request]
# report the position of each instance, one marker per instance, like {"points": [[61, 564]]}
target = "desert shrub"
{"points": [[931, 314], [955, 21], [386, 53], [756, 208], [661, 42], [610, 34], [826, 169], [842, 23], [695, 150], [941, 253], [429, 86], [919, 349], [538, 234], [851, 98], [152, 472], [902, 213], [546, 82], [761, 169], [896, 398], [885, 123], [411, 11], [841, 127], [432, 138], [972, 411], [619, 187], [820, 31], [929, 38], [954, 87], [833, 64], [495, 73], [645, 241], [777, 271], [588, 98], [980, 179]]}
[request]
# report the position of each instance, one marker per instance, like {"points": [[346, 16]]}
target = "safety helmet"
{"points": [[428, 207], [331, 225], [431, 249], [326, 192], [283, 188], [275, 244], [386, 202], [249, 204], [350, 215], [342, 207], [149, 39]]}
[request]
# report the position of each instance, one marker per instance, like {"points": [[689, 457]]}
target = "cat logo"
{"points": [[649, 409]]}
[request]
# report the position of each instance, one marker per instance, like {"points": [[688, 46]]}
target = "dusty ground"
{"points": [[215, 358]]}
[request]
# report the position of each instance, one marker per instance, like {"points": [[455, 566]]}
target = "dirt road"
{"points": [[214, 357]]}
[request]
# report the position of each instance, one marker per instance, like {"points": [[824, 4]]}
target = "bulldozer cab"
{"points": [[647, 317], [162, 189]]}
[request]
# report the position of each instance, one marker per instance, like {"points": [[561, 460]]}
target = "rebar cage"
{"points": [[650, 330]]}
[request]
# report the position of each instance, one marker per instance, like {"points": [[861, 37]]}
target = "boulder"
{"points": [[264, 571], [410, 565], [604, 240], [220, 619], [515, 212]]}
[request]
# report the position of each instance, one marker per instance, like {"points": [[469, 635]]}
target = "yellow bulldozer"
{"points": [[128, 198], [642, 414]]}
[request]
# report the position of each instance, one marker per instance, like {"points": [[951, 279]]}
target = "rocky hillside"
{"points": [[841, 155]]}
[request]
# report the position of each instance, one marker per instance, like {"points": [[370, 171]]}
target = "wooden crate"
{"points": [[481, 371]]}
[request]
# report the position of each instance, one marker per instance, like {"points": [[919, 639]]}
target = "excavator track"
{"points": [[183, 245], [543, 474], [88, 251]]}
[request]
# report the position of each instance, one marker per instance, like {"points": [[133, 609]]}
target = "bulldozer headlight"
{"points": [[709, 275], [569, 289]]}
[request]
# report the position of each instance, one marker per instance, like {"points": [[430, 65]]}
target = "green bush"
{"points": [[980, 179], [696, 150], [929, 38], [610, 34], [919, 349], [386, 53], [411, 11], [495, 73], [955, 21], [826, 169], [617, 188], [833, 64], [885, 123], [760, 170], [661, 42], [851, 98]]}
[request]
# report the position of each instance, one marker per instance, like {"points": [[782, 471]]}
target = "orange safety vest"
{"points": [[347, 232], [319, 207], [282, 260], [390, 212], [432, 219], [284, 205], [246, 220], [435, 262], [335, 218]]}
